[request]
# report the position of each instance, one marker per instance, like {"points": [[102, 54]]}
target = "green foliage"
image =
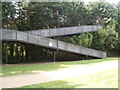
{"points": [[105, 39], [8, 12], [118, 25], [38, 15], [15, 52], [103, 9], [84, 39], [22, 53]]}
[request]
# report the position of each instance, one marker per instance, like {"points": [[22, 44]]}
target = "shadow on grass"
{"points": [[53, 84], [57, 85], [88, 61], [23, 69], [63, 89]]}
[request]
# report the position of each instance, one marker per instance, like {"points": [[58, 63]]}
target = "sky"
{"points": [[110, 1]]}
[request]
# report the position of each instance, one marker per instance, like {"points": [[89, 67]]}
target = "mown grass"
{"points": [[105, 79], [35, 68]]}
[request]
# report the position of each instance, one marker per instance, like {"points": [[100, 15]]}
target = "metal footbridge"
{"points": [[40, 39], [53, 32]]}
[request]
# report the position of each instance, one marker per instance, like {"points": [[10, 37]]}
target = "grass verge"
{"points": [[35, 68], [105, 79]]}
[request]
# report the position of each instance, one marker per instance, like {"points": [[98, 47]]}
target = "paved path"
{"points": [[28, 79]]}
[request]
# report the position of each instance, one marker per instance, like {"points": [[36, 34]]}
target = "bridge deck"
{"points": [[52, 32], [12, 35]]}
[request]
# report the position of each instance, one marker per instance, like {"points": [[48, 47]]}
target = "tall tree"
{"points": [[104, 10]]}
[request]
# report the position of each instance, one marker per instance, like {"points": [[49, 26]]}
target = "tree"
{"points": [[105, 39], [105, 10], [8, 15], [39, 15]]}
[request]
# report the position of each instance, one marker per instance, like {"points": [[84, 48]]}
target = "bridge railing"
{"points": [[52, 32], [11, 35]]}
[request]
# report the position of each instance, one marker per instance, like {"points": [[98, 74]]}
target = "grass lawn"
{"points": [[35, 68], [106, 79]]}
